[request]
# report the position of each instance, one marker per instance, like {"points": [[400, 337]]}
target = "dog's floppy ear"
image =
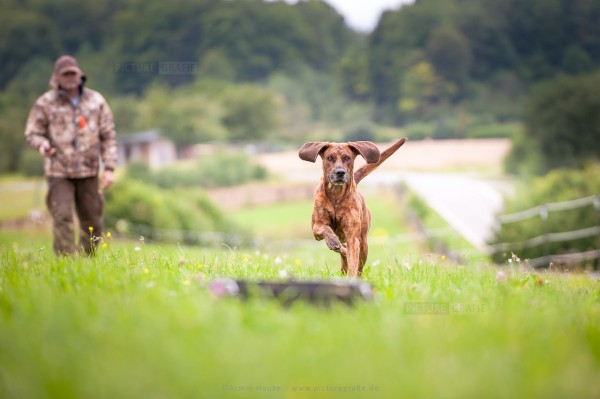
{"points": [[367, 150], [310, 151]]}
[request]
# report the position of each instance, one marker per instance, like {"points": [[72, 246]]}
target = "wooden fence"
{"points": [[543, 211]]}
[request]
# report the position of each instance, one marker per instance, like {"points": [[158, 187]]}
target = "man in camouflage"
{"points": [[72, 127]]}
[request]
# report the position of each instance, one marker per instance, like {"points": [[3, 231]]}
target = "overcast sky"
{"points": [[363, 15]]}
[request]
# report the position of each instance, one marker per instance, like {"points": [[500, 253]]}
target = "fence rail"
{"points": [[550, 237], [565, 258], [550, 207], [543, 212]]}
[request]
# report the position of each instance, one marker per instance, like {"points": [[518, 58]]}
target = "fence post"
{"points": [[544, 216], [597, 207]]}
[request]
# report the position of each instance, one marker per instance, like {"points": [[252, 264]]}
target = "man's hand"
{"points": [[47, 150], [108, 178]]}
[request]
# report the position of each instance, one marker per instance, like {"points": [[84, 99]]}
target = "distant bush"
{"points": [[494, 130], [139, 171], [136, 208], [419, 130], [562, 118], [559, 185], [31, 164], [228, 170], [360, 133], [447, 128], [524, 158], [418, 206], [220, 170]]}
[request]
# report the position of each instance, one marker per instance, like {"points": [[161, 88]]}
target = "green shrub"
{"points": [[139, 171], [360, 133], [494, 130], [418, 206], [419, 130], [524, 158], [219, 170], [31, 164], [562, 118], [136, 208], [228, 170]]}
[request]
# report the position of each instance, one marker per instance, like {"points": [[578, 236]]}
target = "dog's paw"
{"points": [[333, 243]]}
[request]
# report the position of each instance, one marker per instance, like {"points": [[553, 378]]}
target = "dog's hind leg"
{"points": [[344, 264], [364, 253]]}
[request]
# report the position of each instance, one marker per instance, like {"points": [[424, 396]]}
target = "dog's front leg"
{"points": [[352, 256], [333, 242], [323, 231]]}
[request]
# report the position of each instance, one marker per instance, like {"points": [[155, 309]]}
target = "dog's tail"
{"points": [[364, 170]]}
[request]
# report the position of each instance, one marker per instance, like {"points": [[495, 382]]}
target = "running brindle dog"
{"points": [[340, 214]]}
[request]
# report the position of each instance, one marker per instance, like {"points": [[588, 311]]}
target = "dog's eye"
{"points": [[346, 158], [330, 158]]}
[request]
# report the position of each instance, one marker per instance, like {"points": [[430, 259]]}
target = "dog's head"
{"points": [[338, 158]]}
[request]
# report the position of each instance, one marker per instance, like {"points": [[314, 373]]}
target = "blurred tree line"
{"points": [[293, 72]]}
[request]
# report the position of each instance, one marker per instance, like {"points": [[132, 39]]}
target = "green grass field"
{"points": [[20, 195], [137, 321]]}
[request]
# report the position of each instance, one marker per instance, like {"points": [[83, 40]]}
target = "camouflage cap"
{"points": [[66, 63], [63, 64]]}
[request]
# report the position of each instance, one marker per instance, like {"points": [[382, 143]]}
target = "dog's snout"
{"points": [[338, 175]]}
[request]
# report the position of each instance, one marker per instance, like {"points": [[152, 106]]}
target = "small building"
{"points": [[148, 147]]}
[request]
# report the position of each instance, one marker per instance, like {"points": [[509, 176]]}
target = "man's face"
{"points": [[69, 80]]}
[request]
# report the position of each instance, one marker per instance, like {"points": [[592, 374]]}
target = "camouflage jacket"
{"points": [[82, 134]]}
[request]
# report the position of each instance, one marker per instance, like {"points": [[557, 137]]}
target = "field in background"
{"points": [[286, 228], [21, 196], [292, 219]]}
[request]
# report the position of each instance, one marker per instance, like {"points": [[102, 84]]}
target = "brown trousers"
{"points": [[85, 196]]}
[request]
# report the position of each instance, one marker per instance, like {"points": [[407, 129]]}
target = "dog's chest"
{"points": [[345, 214]]}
